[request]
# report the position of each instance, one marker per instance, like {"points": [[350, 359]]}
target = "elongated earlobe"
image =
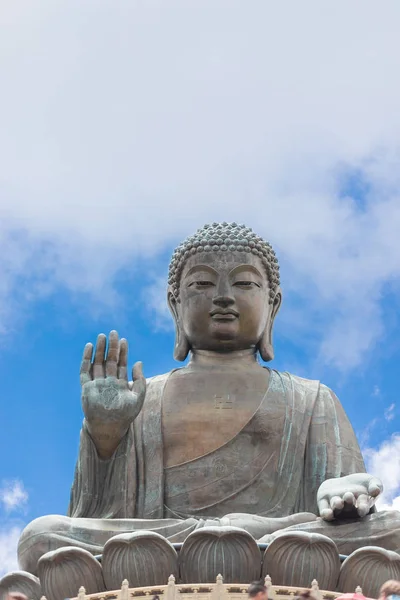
{"points": [[182, 346], [265, 345]]}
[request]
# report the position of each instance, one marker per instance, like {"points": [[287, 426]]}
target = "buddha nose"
{"points": [[223, 294]]}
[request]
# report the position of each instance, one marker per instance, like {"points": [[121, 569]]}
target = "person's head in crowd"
{"points": [[16, 596], [390, 590], [257, 591]]}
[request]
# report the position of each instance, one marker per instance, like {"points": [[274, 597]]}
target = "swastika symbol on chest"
{"points": [[223, 402]]}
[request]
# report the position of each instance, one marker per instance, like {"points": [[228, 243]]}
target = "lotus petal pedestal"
{"points": [[63, 571], [369, 567], [296, 558], [143, 558], [21, 582], [229, 551]]}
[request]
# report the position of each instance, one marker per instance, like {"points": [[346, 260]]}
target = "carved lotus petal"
{"points": [[22, 582], [63, 571], [229, 551], [369, 567], [296, 558], [143, 558]]}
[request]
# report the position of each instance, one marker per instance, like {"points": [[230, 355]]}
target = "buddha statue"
{"points": [[224, 446]]}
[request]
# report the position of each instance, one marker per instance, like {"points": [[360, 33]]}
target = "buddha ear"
{"points": [[265, 346], [182, 346]]}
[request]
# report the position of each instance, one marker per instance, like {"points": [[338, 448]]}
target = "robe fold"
{"points": [[298, 437]]}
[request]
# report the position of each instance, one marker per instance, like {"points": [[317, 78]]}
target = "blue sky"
{"points": [[125, 126]]}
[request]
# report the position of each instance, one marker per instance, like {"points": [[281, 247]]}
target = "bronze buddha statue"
{"points": [[223, 442]]}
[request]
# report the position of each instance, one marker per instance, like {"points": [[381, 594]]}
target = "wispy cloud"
{"points": [[364, 435], [390, 413], [155, 295], [13, 496], [376, 391], [378, 423], [13, 499], [384, 462]]}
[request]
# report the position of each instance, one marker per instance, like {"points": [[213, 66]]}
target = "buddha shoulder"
{"points": [[305, 393], [309, 392]]}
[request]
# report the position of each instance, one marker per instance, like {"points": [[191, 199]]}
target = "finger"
{"points": [[137, 371], [336, 503], [349, 499], [86, 364], [362, 505], [99, 355], [123, 360], [375, 487], [324, 510], [112, 354], [138, 386]]}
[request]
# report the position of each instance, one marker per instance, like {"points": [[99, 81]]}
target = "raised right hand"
{"points": [[109, 403]]}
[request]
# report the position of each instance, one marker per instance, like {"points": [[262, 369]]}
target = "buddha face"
{"points": [[224, 301]]}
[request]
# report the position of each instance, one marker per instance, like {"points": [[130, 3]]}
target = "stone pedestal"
{"points": [[296, 558], [62, 571], [293, 558], [22, 582], [227, 550], [369, 567], [143, 558]]}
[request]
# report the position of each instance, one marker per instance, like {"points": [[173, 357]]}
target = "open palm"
{"points": [[107, 396]]}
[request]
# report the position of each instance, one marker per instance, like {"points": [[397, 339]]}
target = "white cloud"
{"points": [[390, 412], [394, 505], [13, 498], [13, 495], [8, 549], [364, 435], [194, 112], [155, 297], [384, 462]]}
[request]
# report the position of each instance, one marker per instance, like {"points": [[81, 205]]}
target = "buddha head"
{"points": [[223, 291]]}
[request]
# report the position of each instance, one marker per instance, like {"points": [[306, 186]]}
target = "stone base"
{"points": [[293, 558], [206, 591], [369, 567], [21, 582], [63, 571], [296, 558], [229, 551], [143, 558]]}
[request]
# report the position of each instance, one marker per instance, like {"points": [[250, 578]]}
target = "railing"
{"points": [[204, 591]]}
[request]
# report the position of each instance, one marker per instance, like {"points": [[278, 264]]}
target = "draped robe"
{"points": [[298, 437]]}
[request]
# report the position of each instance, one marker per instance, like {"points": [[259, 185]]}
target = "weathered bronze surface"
{"points": [[223, 441]]}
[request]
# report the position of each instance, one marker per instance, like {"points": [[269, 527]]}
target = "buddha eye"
{"points": [[201, 283], [246, 284]]}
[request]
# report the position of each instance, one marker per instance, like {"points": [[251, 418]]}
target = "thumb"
{"points": [[375, 487]]}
